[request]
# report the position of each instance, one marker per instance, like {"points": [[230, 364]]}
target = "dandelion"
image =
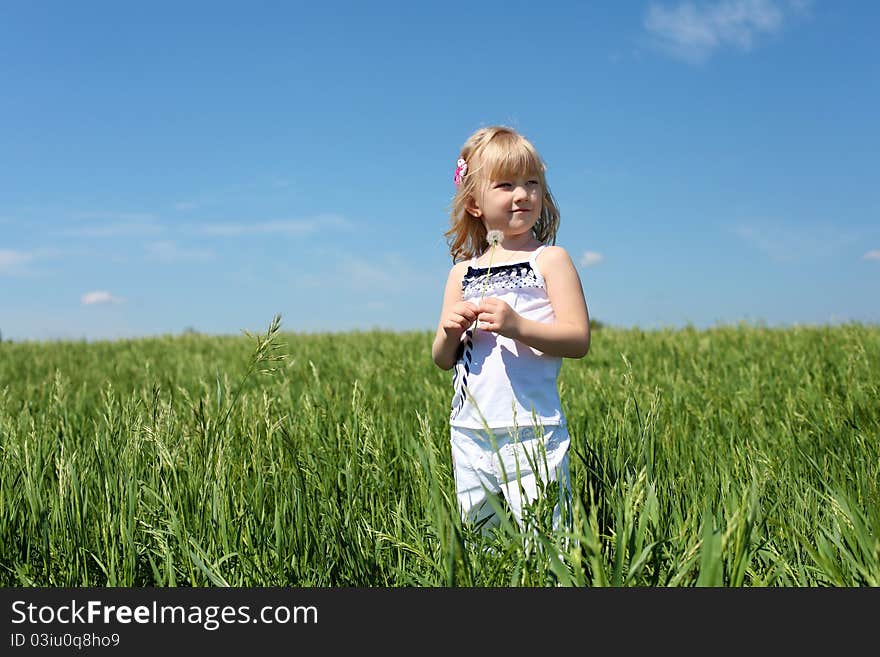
{"points": [[493, 238]]}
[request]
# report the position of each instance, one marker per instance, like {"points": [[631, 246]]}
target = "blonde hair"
{"points": [[495, 153]]}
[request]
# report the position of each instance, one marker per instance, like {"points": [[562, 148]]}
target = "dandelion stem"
{"points": [[493, 237]]}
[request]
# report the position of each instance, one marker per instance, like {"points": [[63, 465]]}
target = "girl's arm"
{"points": [[569, 335], [455, 317]]}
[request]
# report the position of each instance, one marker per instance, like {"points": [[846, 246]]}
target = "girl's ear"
{"points": [[472, 208]]}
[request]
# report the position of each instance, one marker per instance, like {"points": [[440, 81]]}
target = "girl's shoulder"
{"points": [[458, 270], [553, 257], [553, 252]]}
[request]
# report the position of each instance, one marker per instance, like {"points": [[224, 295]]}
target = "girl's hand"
{"points": [[459, 318], [497, 316]]}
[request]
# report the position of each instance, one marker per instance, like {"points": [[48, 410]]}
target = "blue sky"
{"points": [[174, 165]]}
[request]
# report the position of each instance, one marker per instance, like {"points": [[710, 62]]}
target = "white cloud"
{"points": [[791, 243], [169, 251], [280, 227], [801, 6], [366, 274], [12, 260], [110, 224], [98, 297], [873, 254], [18, 262], [114, 216], [390, 272], [590, 258], [694, 31]]}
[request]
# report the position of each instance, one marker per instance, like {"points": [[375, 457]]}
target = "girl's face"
{"points": [[511, 205]]}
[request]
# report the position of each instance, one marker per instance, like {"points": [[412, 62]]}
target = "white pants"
{"points": [[514, 467]]}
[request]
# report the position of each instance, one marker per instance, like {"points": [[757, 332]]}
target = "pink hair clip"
{"points": [[460, 170]]}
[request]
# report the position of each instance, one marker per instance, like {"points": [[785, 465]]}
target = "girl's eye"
{"points": [[507, 184]]}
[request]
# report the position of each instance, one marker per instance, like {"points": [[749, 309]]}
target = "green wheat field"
{"points": [[731, 456]]}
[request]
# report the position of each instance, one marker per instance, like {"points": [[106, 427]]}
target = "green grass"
{"points": [[733, 456]]}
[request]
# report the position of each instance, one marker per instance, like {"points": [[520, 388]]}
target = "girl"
{"points": [[512, 309]]}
